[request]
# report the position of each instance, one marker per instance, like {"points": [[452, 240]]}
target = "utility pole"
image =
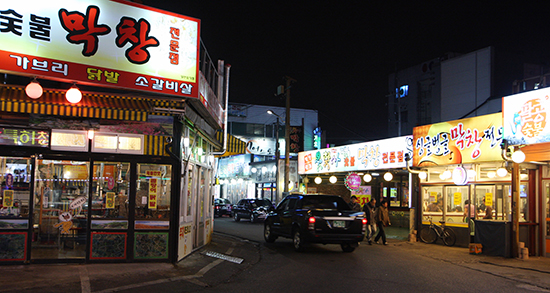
{"points": [[289, 80]]}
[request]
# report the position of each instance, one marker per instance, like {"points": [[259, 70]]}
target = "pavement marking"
{"points": [[189, 278], [84, 280]]}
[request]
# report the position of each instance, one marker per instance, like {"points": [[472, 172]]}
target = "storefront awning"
{"points": [[235, 146], [13, 99]]}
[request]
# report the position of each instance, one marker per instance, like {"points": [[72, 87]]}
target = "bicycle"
{"points": [[431, 233]]}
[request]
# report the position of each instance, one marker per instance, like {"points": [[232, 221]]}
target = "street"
{"points": [[376, 268]]}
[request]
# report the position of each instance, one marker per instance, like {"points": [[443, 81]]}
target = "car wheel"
{"points": [[346, 247], [297, 240], [236, 217], [268, 234]]}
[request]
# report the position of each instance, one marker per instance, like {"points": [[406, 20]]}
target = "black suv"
{"points": [[316, 218], [251, 208]]}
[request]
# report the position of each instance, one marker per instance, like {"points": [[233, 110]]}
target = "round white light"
{"points": [[388, 176], [423, 175], [460, 176], [367, 178], [274, 168], [318, 180], [442, 176], [264, 169], [332, 179], [502, 172], [240, 180], [518, 156], [34, 90], [253, 170], [73, 95], [447, 174], [471, 173], [491, 174]]}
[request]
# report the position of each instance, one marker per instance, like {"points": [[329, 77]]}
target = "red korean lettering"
{"points": [[83, 29], [137, 33]]}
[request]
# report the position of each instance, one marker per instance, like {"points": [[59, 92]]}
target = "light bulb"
{"points": [[318, 180], [518, 156], [388, 176], [34, 90], [423, 175], [502, 172], [332, 179], [73, 95], [367, 177]]}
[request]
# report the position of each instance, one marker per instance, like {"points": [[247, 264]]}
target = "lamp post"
{"points": [[277, 152]]}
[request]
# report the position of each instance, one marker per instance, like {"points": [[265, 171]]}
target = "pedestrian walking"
{"points": [[382, 220], [354, 204], [370, 211]]}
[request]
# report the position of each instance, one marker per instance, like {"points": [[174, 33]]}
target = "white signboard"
{"points": [[380, 154], [525, 117], [264, 146]]}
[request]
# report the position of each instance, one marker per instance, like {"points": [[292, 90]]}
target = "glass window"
{"points": [[455, 204], [153, 191], [14, 190], [114, 143], [69, 140], [432, 202], [110, 190]]}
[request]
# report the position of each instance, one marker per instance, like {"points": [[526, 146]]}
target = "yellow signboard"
{"points": [[153, 188], [457, 198], [468, 140], [7, 201], [110, 200], [488, 199]]}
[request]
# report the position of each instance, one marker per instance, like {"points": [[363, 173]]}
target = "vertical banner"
{"points": [[7, 202], [110, 200], [153, 186], [296, 139]]}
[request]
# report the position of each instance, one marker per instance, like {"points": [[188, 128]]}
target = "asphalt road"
{"points": [[371, 268]]}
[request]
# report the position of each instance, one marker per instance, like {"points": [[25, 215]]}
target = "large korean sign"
{"points": [[525, 117], [460, 141], [380, 154], [102, 43]]}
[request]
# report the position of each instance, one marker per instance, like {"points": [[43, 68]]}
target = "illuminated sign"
{"points": [[460, 141], [153, 191], [317, 138], [525, 117], [24, 137], [380, 154], [296, 139], [102, 43], [402, 92]]}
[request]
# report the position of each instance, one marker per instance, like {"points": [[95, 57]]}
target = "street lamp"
{"points": [[277, 152]]}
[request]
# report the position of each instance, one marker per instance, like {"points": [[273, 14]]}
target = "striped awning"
{"points": [[13, 99], [235, 146]]}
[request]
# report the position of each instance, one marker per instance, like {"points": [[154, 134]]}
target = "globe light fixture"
{"points": [[318, 180], [423, 175], [34, 89], [502, 172], [518, 157], [491, 174], [447, 174], [388, 176], [73, 95], [367, 177], [332, 179]]}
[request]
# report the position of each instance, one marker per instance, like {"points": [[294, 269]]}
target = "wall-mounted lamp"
{"points": [[73, 95], [388, 176], [318, 180], [90, 134], [253, 170], [34, 89], [517, 156], [367, 177], [502, 172], [332, 179], [423, 175]]}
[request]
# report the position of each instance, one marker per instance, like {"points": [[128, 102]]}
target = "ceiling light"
{"points": [[423, 175], [502, 172], [491, 174], [388, 176], [367, 177]]}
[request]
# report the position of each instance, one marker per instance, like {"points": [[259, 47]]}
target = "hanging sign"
{"points": [[525, 117], [468, 140], [110, 200], [353, 181], [7, 201], [153, 188]]}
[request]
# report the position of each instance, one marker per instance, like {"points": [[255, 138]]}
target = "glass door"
{"points": [[546, 203], [455, 203], [60, 210]]}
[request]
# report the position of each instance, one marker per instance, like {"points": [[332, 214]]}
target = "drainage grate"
{"points": [[236, 260]]}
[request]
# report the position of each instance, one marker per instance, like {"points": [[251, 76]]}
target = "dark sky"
{"points": [[341, 52]]}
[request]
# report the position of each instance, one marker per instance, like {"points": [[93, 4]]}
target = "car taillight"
{"points": [[311, 225], [364, 221]]}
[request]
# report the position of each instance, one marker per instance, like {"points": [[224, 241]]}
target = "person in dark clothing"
{"points": [[382, 220], [354, 204], [370, 211]]}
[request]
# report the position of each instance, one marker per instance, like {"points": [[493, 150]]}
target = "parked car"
{"points": [[254, 209], [325, 219], [222, 206]]}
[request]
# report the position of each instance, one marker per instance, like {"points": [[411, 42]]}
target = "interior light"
{"points": [[90, 134], [264, 169], [388, 176], [471, 173], [491, 174], [447, 174], [423, 175], [518, 156], [73, 95], [502, 172], [240, 180], [254, 170], [318, 180], [199, 151], [186, 142], [34, 89], [332, 179], [442, 176], [367, 177], [274, 168], [523, 176]]}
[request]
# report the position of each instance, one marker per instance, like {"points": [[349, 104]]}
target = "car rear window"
{"points": [[260, 203], [325, 203]]}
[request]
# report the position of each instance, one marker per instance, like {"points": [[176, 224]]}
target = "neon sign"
{"points": [[24, 137]]}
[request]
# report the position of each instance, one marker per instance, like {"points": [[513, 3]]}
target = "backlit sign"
{"points": [[101, 43], [525, 117], [24, 137]]}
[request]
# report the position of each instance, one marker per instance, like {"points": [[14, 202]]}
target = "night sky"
{"points": [[341, 52]]}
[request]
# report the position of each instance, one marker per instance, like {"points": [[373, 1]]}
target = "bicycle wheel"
{"points": [[427, 235], [449, 237]]}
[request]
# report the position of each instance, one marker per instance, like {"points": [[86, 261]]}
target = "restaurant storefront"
{"points": [[464, 178], [366, 170]]}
